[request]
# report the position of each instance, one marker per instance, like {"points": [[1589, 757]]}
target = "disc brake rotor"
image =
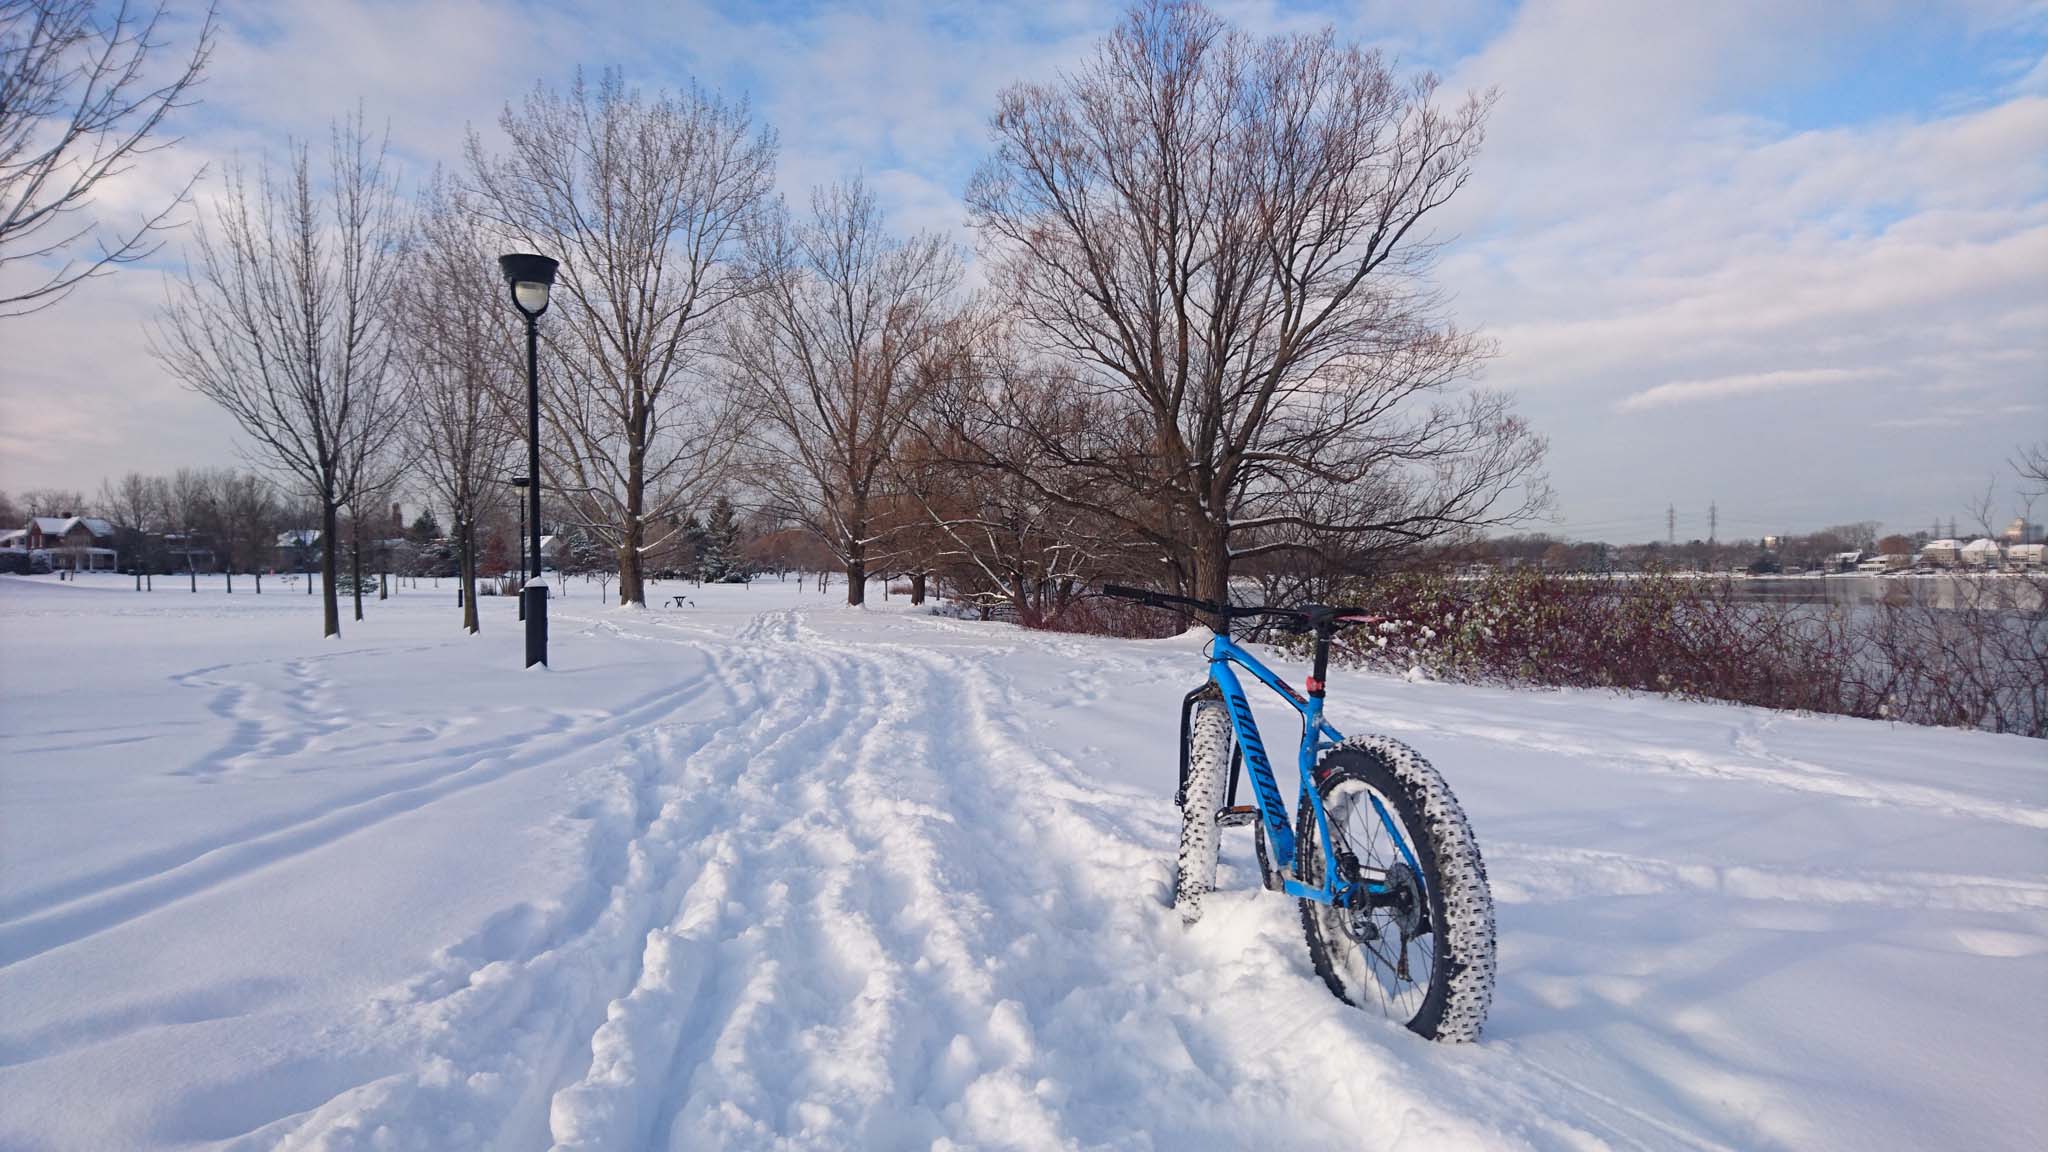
{"points": [[1406, 910]]}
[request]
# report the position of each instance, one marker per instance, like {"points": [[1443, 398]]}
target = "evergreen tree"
{"points": [[425, 529], [690, 549], [721, 563]]}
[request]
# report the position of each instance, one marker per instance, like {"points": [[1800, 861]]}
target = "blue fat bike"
{"points": [[1393, 893]]}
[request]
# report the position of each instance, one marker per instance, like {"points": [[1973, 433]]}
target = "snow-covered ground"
{"points": [[765, 872]]}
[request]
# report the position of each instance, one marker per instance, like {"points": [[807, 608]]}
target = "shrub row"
{"points": [[1972, 652]]}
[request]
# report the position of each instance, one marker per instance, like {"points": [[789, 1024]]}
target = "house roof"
{"points": [[298, 538], [59, 525], [1981, 544]]}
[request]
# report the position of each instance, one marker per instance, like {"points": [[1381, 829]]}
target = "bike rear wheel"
{"points": [[1194, 876], [1424, 956]]}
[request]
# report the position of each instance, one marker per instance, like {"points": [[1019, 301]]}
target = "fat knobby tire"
{"points": [[1208, 767], [1460, 904]]}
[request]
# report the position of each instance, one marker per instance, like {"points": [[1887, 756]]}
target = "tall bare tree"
{"points": [[133, 502], [1227, 237], [53, 501], [647, 202], [245, 514], [995, 517], [82, 97], [835, 354], [2031, 465], [285, 322], [454, 348]]}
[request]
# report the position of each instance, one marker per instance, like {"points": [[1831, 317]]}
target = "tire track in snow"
{"points": [[135, 889], [501, 1027], [800, 994]]}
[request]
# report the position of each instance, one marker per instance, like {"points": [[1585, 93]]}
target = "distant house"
{"points": [[2027, 555], [298, 550], [1844, 561], [188, 552], [80, 543], [1942, 553], [1983, 552]]}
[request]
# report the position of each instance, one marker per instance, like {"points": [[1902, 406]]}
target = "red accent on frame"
{"points": [[1314, 685]]}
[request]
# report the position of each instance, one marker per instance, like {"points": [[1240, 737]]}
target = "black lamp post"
{"points": [[521, 483], [530, 275]]}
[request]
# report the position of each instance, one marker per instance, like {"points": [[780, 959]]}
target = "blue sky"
{"points": [[1790, 258]]}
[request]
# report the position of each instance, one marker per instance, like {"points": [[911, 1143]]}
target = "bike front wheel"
{"points": [[1194, 874], [1421, 952]]}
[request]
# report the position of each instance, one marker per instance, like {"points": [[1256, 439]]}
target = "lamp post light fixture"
{"points": [[530, 277], [522, 483]]}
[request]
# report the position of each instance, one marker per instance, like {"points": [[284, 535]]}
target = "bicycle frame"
{"points": [[1317, 735]]}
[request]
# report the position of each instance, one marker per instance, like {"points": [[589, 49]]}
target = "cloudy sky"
{"points": [[1786, 257]]}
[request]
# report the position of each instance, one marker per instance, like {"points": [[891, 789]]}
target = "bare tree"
{"points": [[245, 514], [285, 322], [996, 522], [81, 98], [379, 477], [1226, 237], [453, 348], [1983, 508], [647, 202], [53, 502], [133, 502], [835, 354], [2031, 465]]}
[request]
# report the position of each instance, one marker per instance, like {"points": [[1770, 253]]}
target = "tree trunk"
{"points": [[259, 581], [231, 579], [330, 567], [857, 555], [468, 591], [632, 589], [856, 580], [916, 589], [355, 571], [1212, 568]]}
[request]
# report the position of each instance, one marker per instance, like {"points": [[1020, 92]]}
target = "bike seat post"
{"points": [[1324, 629]]}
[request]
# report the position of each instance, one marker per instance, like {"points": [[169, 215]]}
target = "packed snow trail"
{"points": [[772, 873]]}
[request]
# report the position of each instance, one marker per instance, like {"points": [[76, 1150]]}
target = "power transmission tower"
{"points": [[1713, 522], [1670, 524]]}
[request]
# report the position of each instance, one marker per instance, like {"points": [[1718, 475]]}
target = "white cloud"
{"points": [[1688, 391]]}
